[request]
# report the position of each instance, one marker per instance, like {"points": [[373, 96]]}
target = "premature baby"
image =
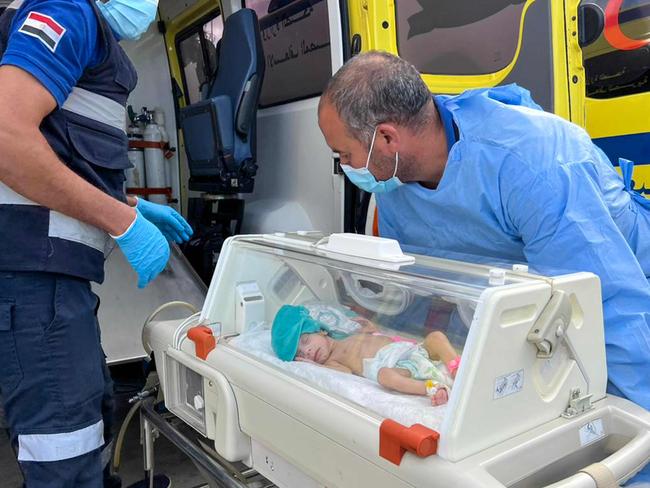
{"points": [[394, 362]]}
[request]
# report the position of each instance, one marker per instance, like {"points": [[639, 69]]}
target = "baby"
{"points": [[394, 362]]}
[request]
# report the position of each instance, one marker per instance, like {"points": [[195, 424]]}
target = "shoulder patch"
{"points": [[44, 28]]}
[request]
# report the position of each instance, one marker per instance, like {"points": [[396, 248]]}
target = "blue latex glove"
{"points": [[145, 248], [168, 220]]}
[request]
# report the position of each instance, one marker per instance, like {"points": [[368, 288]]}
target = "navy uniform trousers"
{"points": [[54, 380]]}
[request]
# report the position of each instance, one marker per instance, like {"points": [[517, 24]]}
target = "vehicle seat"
{"points": [[220, 131]]}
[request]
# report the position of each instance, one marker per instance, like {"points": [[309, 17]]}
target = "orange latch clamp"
{"points": [[395, 439], [204, 341]]}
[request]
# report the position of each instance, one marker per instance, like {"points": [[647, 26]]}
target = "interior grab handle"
{"points": [[622, 464]]}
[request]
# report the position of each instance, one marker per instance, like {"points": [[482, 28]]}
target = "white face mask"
{"points": [[365, 180]]}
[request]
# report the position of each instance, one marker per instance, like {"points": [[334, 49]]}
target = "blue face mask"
{"points": [[129, 19], [364, 179]]}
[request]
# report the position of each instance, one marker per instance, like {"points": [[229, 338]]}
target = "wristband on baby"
{"points": [[452, 366], [432, 387]]}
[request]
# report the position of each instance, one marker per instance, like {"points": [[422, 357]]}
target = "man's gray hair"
{"points": [[377, 87]]}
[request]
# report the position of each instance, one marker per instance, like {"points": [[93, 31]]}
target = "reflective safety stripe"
{"points": [[57, 447], [74, 230], [60, 225], [8, 196], [96, 107]]}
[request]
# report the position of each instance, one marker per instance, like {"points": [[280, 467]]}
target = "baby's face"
{"points": [[314, 347]]}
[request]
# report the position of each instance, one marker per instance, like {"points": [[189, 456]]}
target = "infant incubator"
{"points": [[527, 408]]}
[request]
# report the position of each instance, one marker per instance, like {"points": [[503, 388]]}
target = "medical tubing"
{"points": [[165, 306], [136, 405], [162, 308], [120, 436], [179, 333]]}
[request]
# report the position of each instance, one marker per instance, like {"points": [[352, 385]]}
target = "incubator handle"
{"points": [[622, 464]]}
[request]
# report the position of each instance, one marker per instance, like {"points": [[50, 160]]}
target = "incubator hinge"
{"points": [[578, 404], [551, 324]]}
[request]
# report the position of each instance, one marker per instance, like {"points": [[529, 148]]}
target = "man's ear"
{"points": [[388, 138]]}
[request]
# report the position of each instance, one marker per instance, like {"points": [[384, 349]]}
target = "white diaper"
{"points": [[412, 357], [387, 357]]}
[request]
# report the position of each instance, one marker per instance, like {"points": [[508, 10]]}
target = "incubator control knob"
{"points": [[497, 277], [198, 402], [520, 268]]}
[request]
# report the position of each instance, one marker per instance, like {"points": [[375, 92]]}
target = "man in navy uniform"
{"points": [[64, 85]]}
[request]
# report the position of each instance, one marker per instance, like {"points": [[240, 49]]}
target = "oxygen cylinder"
{"points": [[159, 119], [154, 160], [135, 177]]}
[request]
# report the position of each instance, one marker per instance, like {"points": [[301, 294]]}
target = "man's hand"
{"points": [[169, 221], [145, 248]]}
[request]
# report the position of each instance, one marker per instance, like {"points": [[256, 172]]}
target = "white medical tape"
{"points": [[96, 107], [74, 230], [57, 447], [602, 475]]}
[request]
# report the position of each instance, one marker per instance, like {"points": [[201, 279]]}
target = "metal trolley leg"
{"points": [[153, 424]]}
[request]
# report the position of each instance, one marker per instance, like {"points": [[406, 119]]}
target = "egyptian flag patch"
{"points": [[44, 28]]}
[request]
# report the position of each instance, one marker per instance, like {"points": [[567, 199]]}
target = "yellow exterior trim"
{"points": [[568, 72], [618, 116], [561, 105]]}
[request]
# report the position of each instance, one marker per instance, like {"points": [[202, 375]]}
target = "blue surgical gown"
{"points": [[524, 185]]}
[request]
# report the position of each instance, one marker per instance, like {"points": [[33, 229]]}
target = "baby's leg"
{"points": [[439, 347], [399, 379]]}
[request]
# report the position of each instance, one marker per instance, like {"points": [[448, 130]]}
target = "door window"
{"points": [[197, 48], [458, 37], [616, 47]]}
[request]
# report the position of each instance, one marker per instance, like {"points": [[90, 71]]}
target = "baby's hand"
{"points": [[305, 360], [367, 326]]}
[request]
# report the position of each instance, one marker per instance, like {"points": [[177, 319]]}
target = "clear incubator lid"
{"points": [[413, 295], [473, 321]]}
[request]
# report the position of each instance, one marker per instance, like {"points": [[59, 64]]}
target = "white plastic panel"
{"points": [[503, 388]]}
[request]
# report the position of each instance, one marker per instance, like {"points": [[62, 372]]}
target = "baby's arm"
{"points": [[337, 366], [329, 364]]}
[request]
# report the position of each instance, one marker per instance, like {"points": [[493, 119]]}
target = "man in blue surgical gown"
{"points": [[489, 173]]}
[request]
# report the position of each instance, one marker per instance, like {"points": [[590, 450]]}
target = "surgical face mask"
{"points": [[365, 180], [129, 19]]}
